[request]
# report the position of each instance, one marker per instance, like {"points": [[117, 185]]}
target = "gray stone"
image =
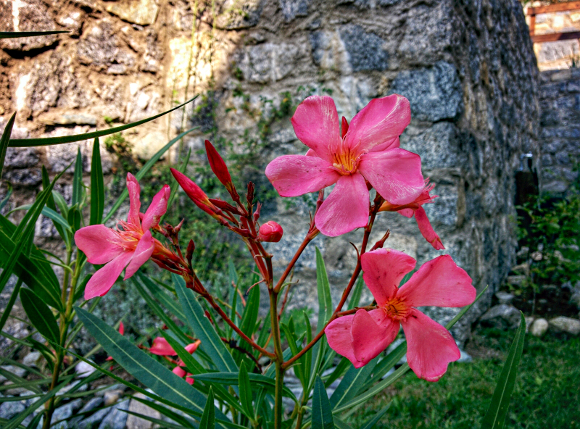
{"points": [[10, 409], [84, 369], [293, 8], [365, 50], [566, 325], [438, 146], [65, 413], [21, 157], [23, 177], [117, 416], [82, 388], [76, 120], [268, 62], [434, 93], [134, 422], [31, 359], [465, 357], [140, 12], [239, 15], [111, 396], [94, 420], [517, 280], [539, 327], [16, 370], [504, 298], [89, 406], [502, 316]]}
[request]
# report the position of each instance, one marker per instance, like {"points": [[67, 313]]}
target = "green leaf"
{"points": [[245, 389], [250, 316], [10, 304], [173, 306], [40, 315], [74, 217], [497, 412], [145, 369], [47, 141], [49, 213], [141, 173], [24, 232], [321, 411], [351, 383], [18, 34], [203, 329], [52, 205], [208, 417], [77, 190], [372, 422], [37, 275], [232, 379], [325, 308], [7, 197], [4, 140], [61, 203], [97, 186]]}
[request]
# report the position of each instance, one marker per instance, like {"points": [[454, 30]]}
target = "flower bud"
{"points": [[219, 168], [190, 348], [195, 193], [270, 232]]}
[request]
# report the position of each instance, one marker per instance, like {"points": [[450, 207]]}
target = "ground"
{"points": [[547, 393]]}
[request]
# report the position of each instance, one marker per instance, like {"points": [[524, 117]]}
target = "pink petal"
{"points": [[121, 328], [294, 175], [346, 208], [430, 347], [391, 144], [315, 123], [190, 380], [161, 347], [102, 281], [369, 338], [395, 174], [99, 243], [383, 270], [379, 122], [439, 282], [156, 209], [134, 199], [406, 212], [143, 252], [180, 372], [427, 230], [340, 338]]}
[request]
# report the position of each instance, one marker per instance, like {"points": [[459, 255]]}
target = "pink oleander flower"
{"points": [[161, 347], [415, 208], [430, 347], [366, 151], [130, 245], [270, 232]]}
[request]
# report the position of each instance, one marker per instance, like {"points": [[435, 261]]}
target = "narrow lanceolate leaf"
{"points": [[203, 329], [321, 411], [497, 412], [208, 416], [245, 389], [351, 383], [47, 141], [77, 190], [323, 287], [163, 297], [97, 186], [23, 233], [10, 304], [5, 140], [51, 214], [141, 173], [7, 197], [40, 315], [250, 316], [373, 422], [18, 34], [37, 275], [145, 369]]}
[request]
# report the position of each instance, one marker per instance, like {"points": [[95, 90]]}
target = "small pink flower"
{"points": [[415, 208], [161, 347], [270, 232], [130, 245], [430, 347], [367, 150]]}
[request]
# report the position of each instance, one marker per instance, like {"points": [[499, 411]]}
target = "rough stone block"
{"points": [[365, 49]]}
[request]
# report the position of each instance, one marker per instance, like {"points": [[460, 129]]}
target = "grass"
{"points": [[547, 393]]}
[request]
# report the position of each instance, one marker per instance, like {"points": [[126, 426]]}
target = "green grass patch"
{"points": [[547, 393]]}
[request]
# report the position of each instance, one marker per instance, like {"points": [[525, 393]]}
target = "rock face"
{"points": [[560, 133], [467, 68], [566, 325]]}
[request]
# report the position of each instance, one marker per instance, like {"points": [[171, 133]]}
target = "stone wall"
{"points": [[467, 68], [560, 130]]}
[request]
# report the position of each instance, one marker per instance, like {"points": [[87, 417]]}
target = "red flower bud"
{"points": [[271, 232], [344, 129], [219, 168], [195, 193]]}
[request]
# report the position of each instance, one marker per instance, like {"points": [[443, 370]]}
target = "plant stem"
{"points": [[288, 269], [279, 359]]}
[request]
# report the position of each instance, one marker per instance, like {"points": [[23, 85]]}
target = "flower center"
{"points": [[397, 309], [345, 160]]}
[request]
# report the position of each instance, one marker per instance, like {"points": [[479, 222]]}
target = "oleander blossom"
{"points": [[161, 347], [367, 150], [130, 245], [415, 208], [430, 347]]}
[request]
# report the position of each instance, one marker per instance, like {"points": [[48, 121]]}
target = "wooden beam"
{"points": [[554, 37], [558, 7], [532, 25]]}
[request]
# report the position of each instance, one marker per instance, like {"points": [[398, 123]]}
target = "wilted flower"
{"points": [[367, 150], [430, 347], [130, 245]]}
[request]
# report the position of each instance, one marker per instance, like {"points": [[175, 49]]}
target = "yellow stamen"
{"points": [[397, 309]]}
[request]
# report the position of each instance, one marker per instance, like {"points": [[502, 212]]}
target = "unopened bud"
{"points": [[257, 212], [250, 195], [224, 205], [344, 127], [190, 249], [190, 348], [195, 193], [270, 232], [219, 168]]}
